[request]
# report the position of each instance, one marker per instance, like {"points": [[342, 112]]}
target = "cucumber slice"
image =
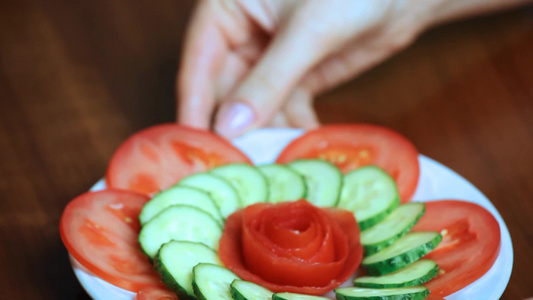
{"points": [[404, 251], [354, 293], [322, 178], [220, 190], [293, 296], [212, 282], [284, 183], [370, 193], [417, 273], [246, 290], [179, 222], [393, 227], [250, 184], [179, 195], [176, 259]]}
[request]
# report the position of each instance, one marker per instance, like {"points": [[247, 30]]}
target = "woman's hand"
{"points": [[253, 63]]}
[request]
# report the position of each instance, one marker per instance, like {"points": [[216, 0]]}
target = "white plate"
{"points": [[436, 182]]}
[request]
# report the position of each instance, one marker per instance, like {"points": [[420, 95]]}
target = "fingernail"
{"points": [[234, 120]]}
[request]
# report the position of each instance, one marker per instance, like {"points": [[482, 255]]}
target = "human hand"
{"points": [[253, 63]]}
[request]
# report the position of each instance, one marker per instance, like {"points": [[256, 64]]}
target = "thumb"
{"points": [[262, 93]]}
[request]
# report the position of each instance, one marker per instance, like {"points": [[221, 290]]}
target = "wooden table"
{"points": [[78, 77]]}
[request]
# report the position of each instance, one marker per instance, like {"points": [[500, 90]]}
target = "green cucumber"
{"points": [[212, 282], [405, 293], [246, 290], [404, 251], [175, 261], [393, 227], [369, 192], [293, 296], [179, 222], [322, 178], [417, 273], [250, 184], [179, 195], [220, 190], [284, 183]]}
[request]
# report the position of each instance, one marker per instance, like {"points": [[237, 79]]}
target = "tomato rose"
{"points": [[292, 246]]}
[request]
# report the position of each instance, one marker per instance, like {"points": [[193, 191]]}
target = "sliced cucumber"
{"points": [[417, 273], [393, 227], [246, 290], [176, 259], [179, 222], [284, 183], [370, 193], [250, 184], [404, 251], [180, 195], [322, 178], [220, 190], [355, 293], [212, 282], [293, 296]]}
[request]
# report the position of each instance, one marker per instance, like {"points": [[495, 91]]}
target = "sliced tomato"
{"points": [[100, 230], [470, 245], [270, 255], [354, 145], [156, 293], [157, 157]]}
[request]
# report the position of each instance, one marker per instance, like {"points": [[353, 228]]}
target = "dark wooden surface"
{"points": [[78, 77]]}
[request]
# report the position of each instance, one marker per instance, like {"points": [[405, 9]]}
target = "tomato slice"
{"points": [[268, 254], [470, 245], [157, 157], [156, 293], [100, 230], [354, 145]]}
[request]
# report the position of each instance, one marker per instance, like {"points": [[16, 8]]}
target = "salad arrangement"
{"points": [[210, 223]]}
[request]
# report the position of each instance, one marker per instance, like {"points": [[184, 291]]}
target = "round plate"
{"points": [[436, 182]]}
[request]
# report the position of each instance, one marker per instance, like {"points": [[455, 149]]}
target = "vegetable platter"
{"points": [[447, 212]]}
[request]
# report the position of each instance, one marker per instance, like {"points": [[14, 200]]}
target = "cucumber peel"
{"points": [[393, 227], [369, 192], [404, 251], [246, 290], [355, 293], [414, 274]]}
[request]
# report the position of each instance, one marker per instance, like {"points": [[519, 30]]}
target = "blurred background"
{"points": [[78, 77]]}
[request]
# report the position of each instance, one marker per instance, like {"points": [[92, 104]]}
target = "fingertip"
{"points": [[234, 119]]}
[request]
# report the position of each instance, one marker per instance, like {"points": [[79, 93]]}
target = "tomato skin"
{"points": [[157, 157], [470, 245], [248, 255], [350, 146], [156, 293], [100, 230]]}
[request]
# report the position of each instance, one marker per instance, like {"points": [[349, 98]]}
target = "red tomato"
{"points": [[156, 293], [157, 157], [261, 244], [470, 245], [100, 230], [355, 145]]}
